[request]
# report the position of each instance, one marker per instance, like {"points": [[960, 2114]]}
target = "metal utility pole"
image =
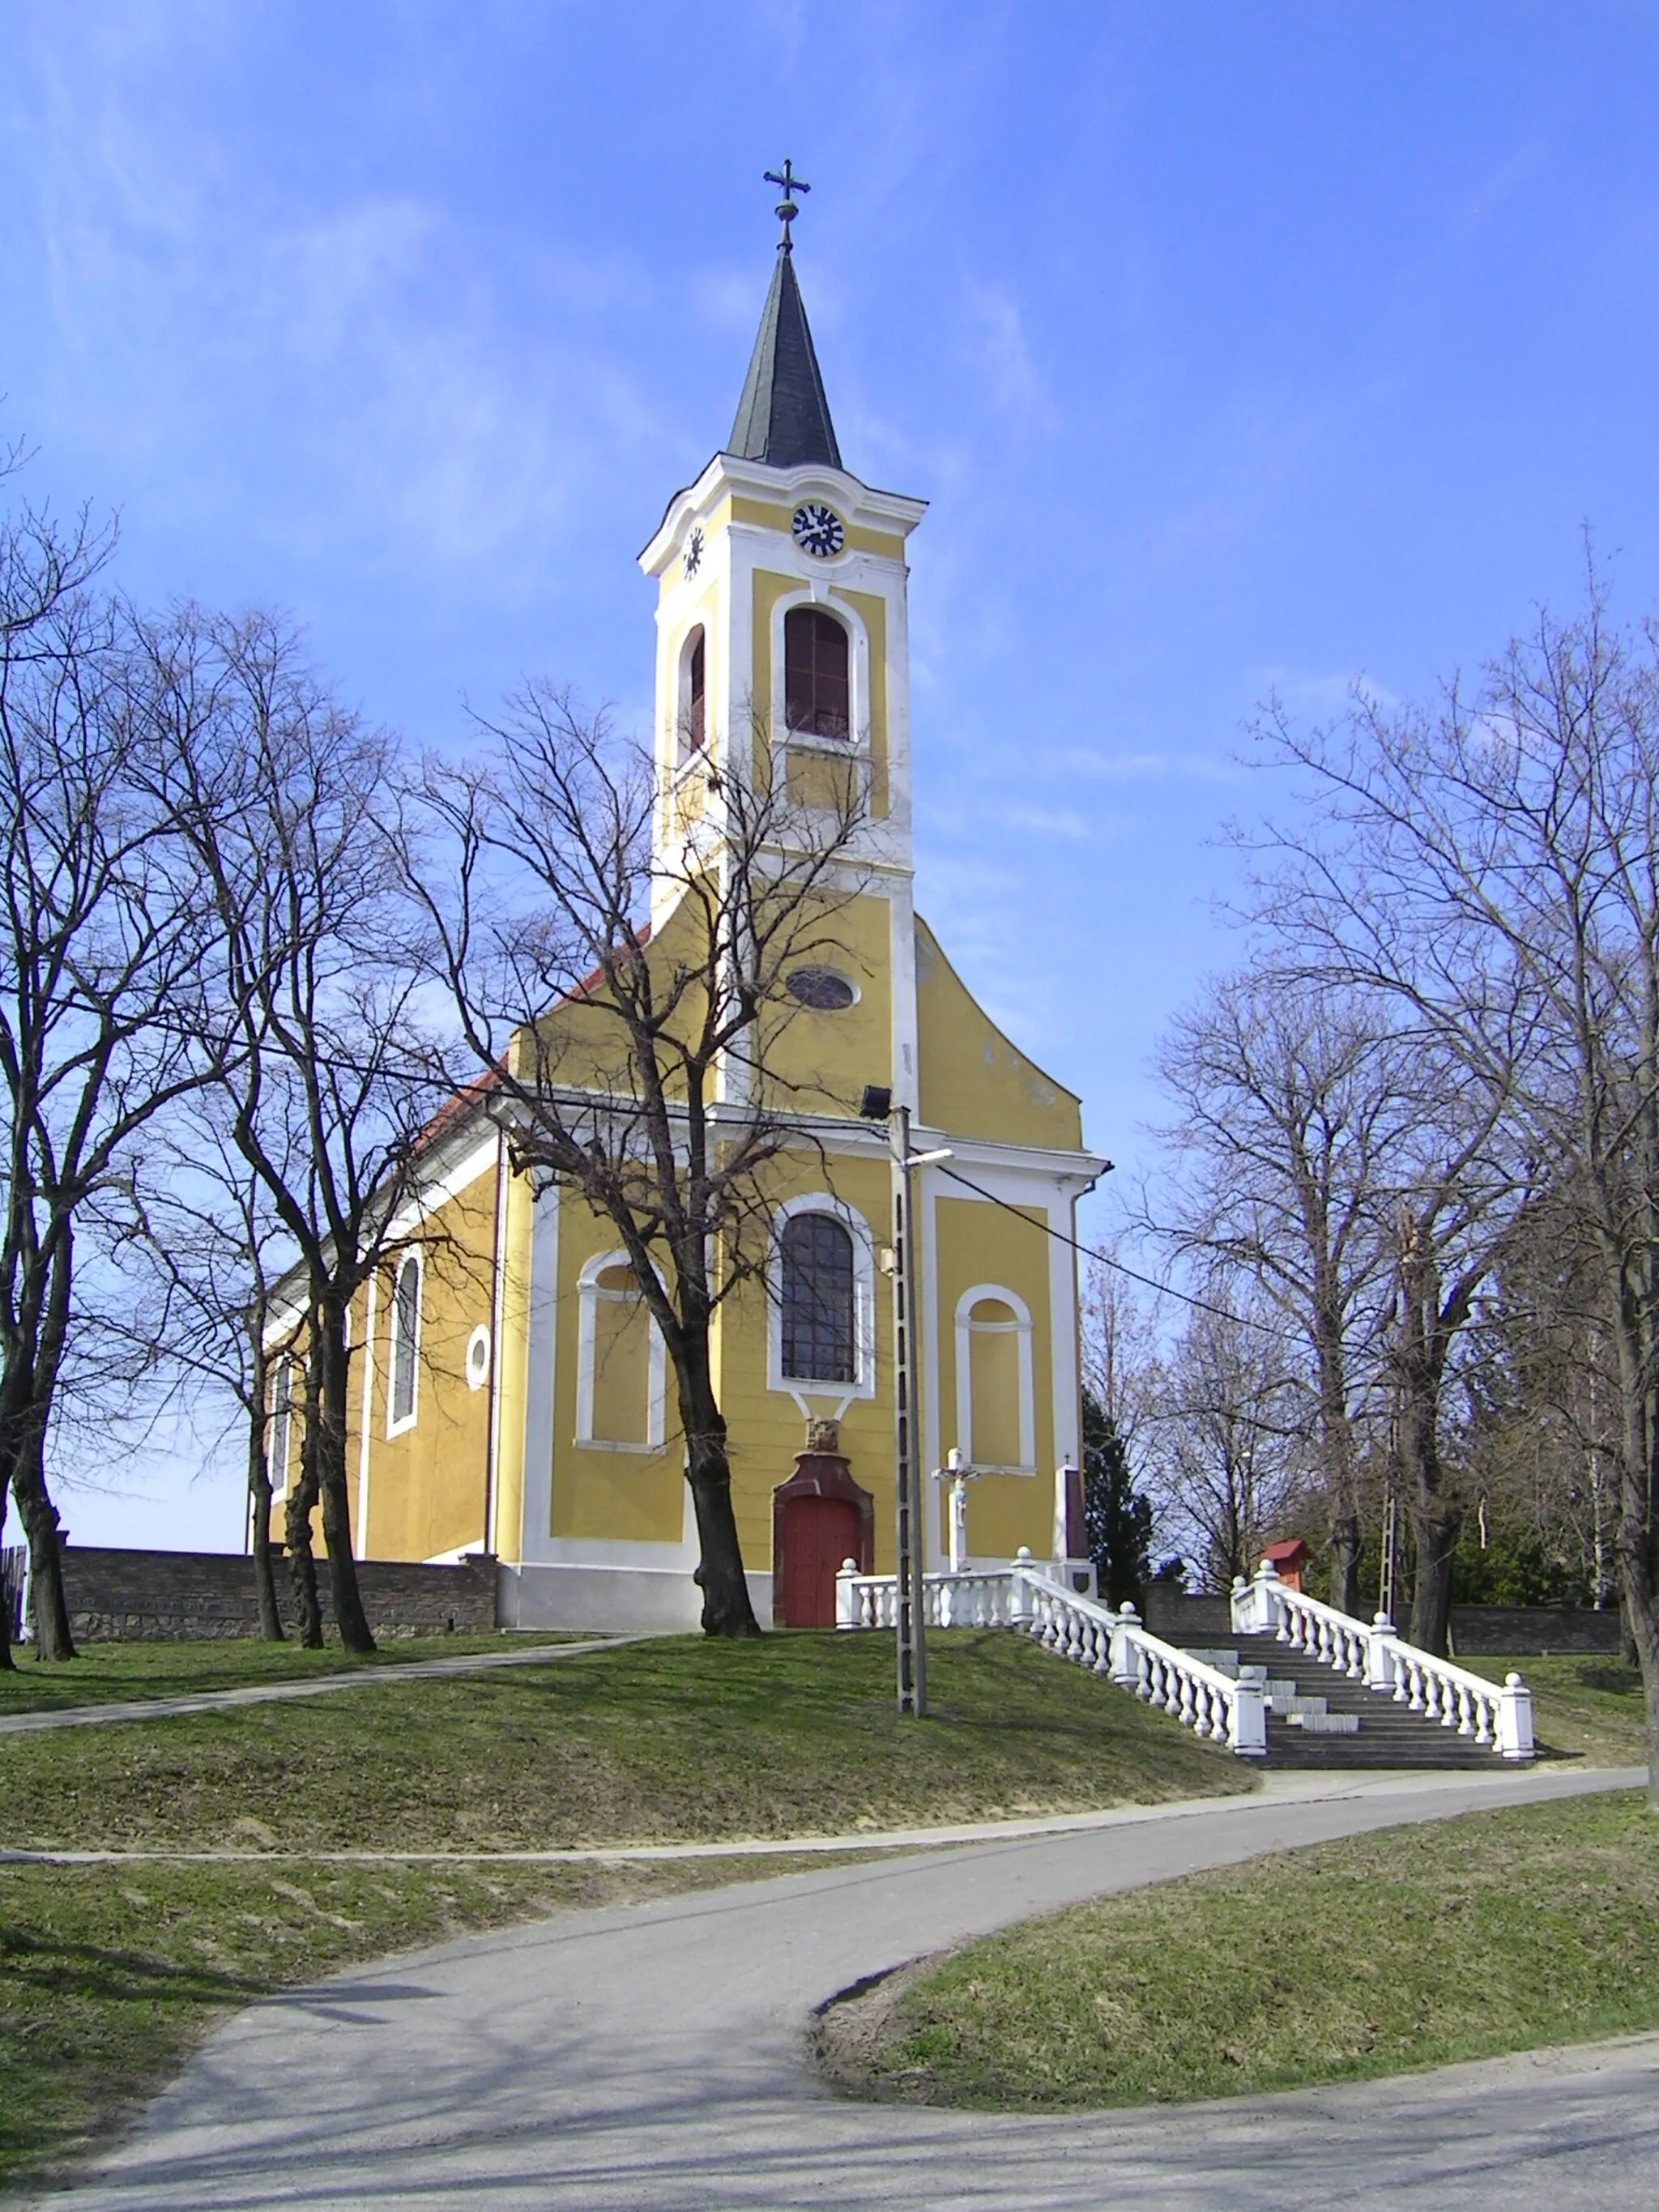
{"points": [[908, 1590]]}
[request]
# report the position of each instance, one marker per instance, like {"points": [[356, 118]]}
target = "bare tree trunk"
{"points": [[48, 1604], [260, 1494], [726, 1610], [1342, 1548], [8, 1664], [332, 1394], [296, 1525]]}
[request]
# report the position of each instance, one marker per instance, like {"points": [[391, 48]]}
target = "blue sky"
{"points": [[1237, 347]]}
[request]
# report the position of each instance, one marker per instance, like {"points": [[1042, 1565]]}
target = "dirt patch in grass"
{"points": [[1416, 1947], [121, 1673], [111, 1977], [670, 1740]]}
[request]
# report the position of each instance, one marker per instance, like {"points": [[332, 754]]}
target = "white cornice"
{"points": [[729, 472]]}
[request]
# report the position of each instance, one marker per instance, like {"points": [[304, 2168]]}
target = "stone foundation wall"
{"points": [[132, 1597], [1479, 1631], [1175, 1615], [1492, 1632]]}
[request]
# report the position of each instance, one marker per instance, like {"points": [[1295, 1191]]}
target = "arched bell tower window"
{"points": [[816, 692], [696, 716], [819, 1287]]}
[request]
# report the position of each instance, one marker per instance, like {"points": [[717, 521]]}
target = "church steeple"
{"points": [[783, 416]]}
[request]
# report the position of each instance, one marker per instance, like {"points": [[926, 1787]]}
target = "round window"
{"points": [[821, 988], [478, 1358]]}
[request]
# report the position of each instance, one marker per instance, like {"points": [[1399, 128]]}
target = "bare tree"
{"points": [[200, 1234], [1294, 1102], [329, 1071], [641, 1068], [1494, 863], [1226, 1470], [1121, 1362], [104, 960]]}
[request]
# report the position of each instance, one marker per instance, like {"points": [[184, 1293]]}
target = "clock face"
{"points": [[693, 550], [819, 529]]}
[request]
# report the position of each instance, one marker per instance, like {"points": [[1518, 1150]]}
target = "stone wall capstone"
{"points": [[134, 1596]]}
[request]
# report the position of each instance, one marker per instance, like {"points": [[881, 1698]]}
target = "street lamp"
{"points": [[877, 1105]]}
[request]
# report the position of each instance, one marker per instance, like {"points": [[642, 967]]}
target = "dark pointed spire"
{"points": [[783, 416]]}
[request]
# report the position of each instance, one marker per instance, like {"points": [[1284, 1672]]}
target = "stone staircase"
{"points": [[1318, 1717]]}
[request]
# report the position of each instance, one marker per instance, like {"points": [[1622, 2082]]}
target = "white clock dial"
{"points": [[819, 529]]}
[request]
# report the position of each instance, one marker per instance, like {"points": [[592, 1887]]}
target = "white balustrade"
{"points": [[1074, 1627], [1487, 1712]]}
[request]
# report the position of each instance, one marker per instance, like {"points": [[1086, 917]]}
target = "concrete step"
{"points": [[1317, 1717]]}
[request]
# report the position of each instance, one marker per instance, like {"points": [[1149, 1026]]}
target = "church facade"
{"points": [[517, 1400]]}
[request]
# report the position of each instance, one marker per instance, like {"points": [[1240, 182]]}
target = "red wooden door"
{"points": [[818, 1534]]}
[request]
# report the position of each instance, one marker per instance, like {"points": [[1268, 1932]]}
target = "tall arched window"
{"points": [[818, 1299], [280, 1432], [696, 718], [817, 690], [405, 1343]]}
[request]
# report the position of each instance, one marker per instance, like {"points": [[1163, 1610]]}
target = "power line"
{"points": [[1106, 1259]]}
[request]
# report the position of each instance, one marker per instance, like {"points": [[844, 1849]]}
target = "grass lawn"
{"points": [[1497, 1932], [115, 1674], [1589, 1709], [674, 1739], [110, 1977]]}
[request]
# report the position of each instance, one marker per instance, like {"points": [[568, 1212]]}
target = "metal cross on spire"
{"points": [[788, 184]]}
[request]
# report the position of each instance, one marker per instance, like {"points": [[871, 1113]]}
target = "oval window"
{"points": [[821, 988]]}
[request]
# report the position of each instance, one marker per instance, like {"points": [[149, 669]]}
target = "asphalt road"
{"points": [[650, 2060]]}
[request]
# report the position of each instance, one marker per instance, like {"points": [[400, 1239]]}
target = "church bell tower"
{"points": [[782, 633]]}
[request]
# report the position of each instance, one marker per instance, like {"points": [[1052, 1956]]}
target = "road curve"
{"points": [[650, 2060]]}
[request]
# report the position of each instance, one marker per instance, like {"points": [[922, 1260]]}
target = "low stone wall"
{"points": [[1180, 1618], [1479, 1631], [170, 1596], [1492, 1632]]}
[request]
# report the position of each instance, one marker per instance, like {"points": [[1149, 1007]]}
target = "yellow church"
{"points": [[518, 1403]]}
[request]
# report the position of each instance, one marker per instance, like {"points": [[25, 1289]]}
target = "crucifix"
{"points": [[788, 184]]}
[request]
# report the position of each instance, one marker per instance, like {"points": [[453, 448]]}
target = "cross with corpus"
{"points": [[788, 184]]}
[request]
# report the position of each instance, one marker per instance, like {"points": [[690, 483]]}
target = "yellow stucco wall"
{"points": [[820, 1060], [972, 1080], [977, 1243], [425, 1490], [606, 1495]]}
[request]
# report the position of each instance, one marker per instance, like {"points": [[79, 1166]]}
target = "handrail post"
{"points": [[1514, 1718], [1379, 1653], [1244, 1606], [1125, 1671], [1021, 1604], [1248, 1730], [847, 1596]]}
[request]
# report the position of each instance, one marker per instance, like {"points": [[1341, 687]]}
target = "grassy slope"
{"points": [[674, 1739], [1588, 1709], [109, 1978], [1497, 1932], [114, 1674]]}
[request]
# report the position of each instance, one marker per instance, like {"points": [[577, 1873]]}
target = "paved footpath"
{"points": [[311, 1686], [651, 2060]]}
